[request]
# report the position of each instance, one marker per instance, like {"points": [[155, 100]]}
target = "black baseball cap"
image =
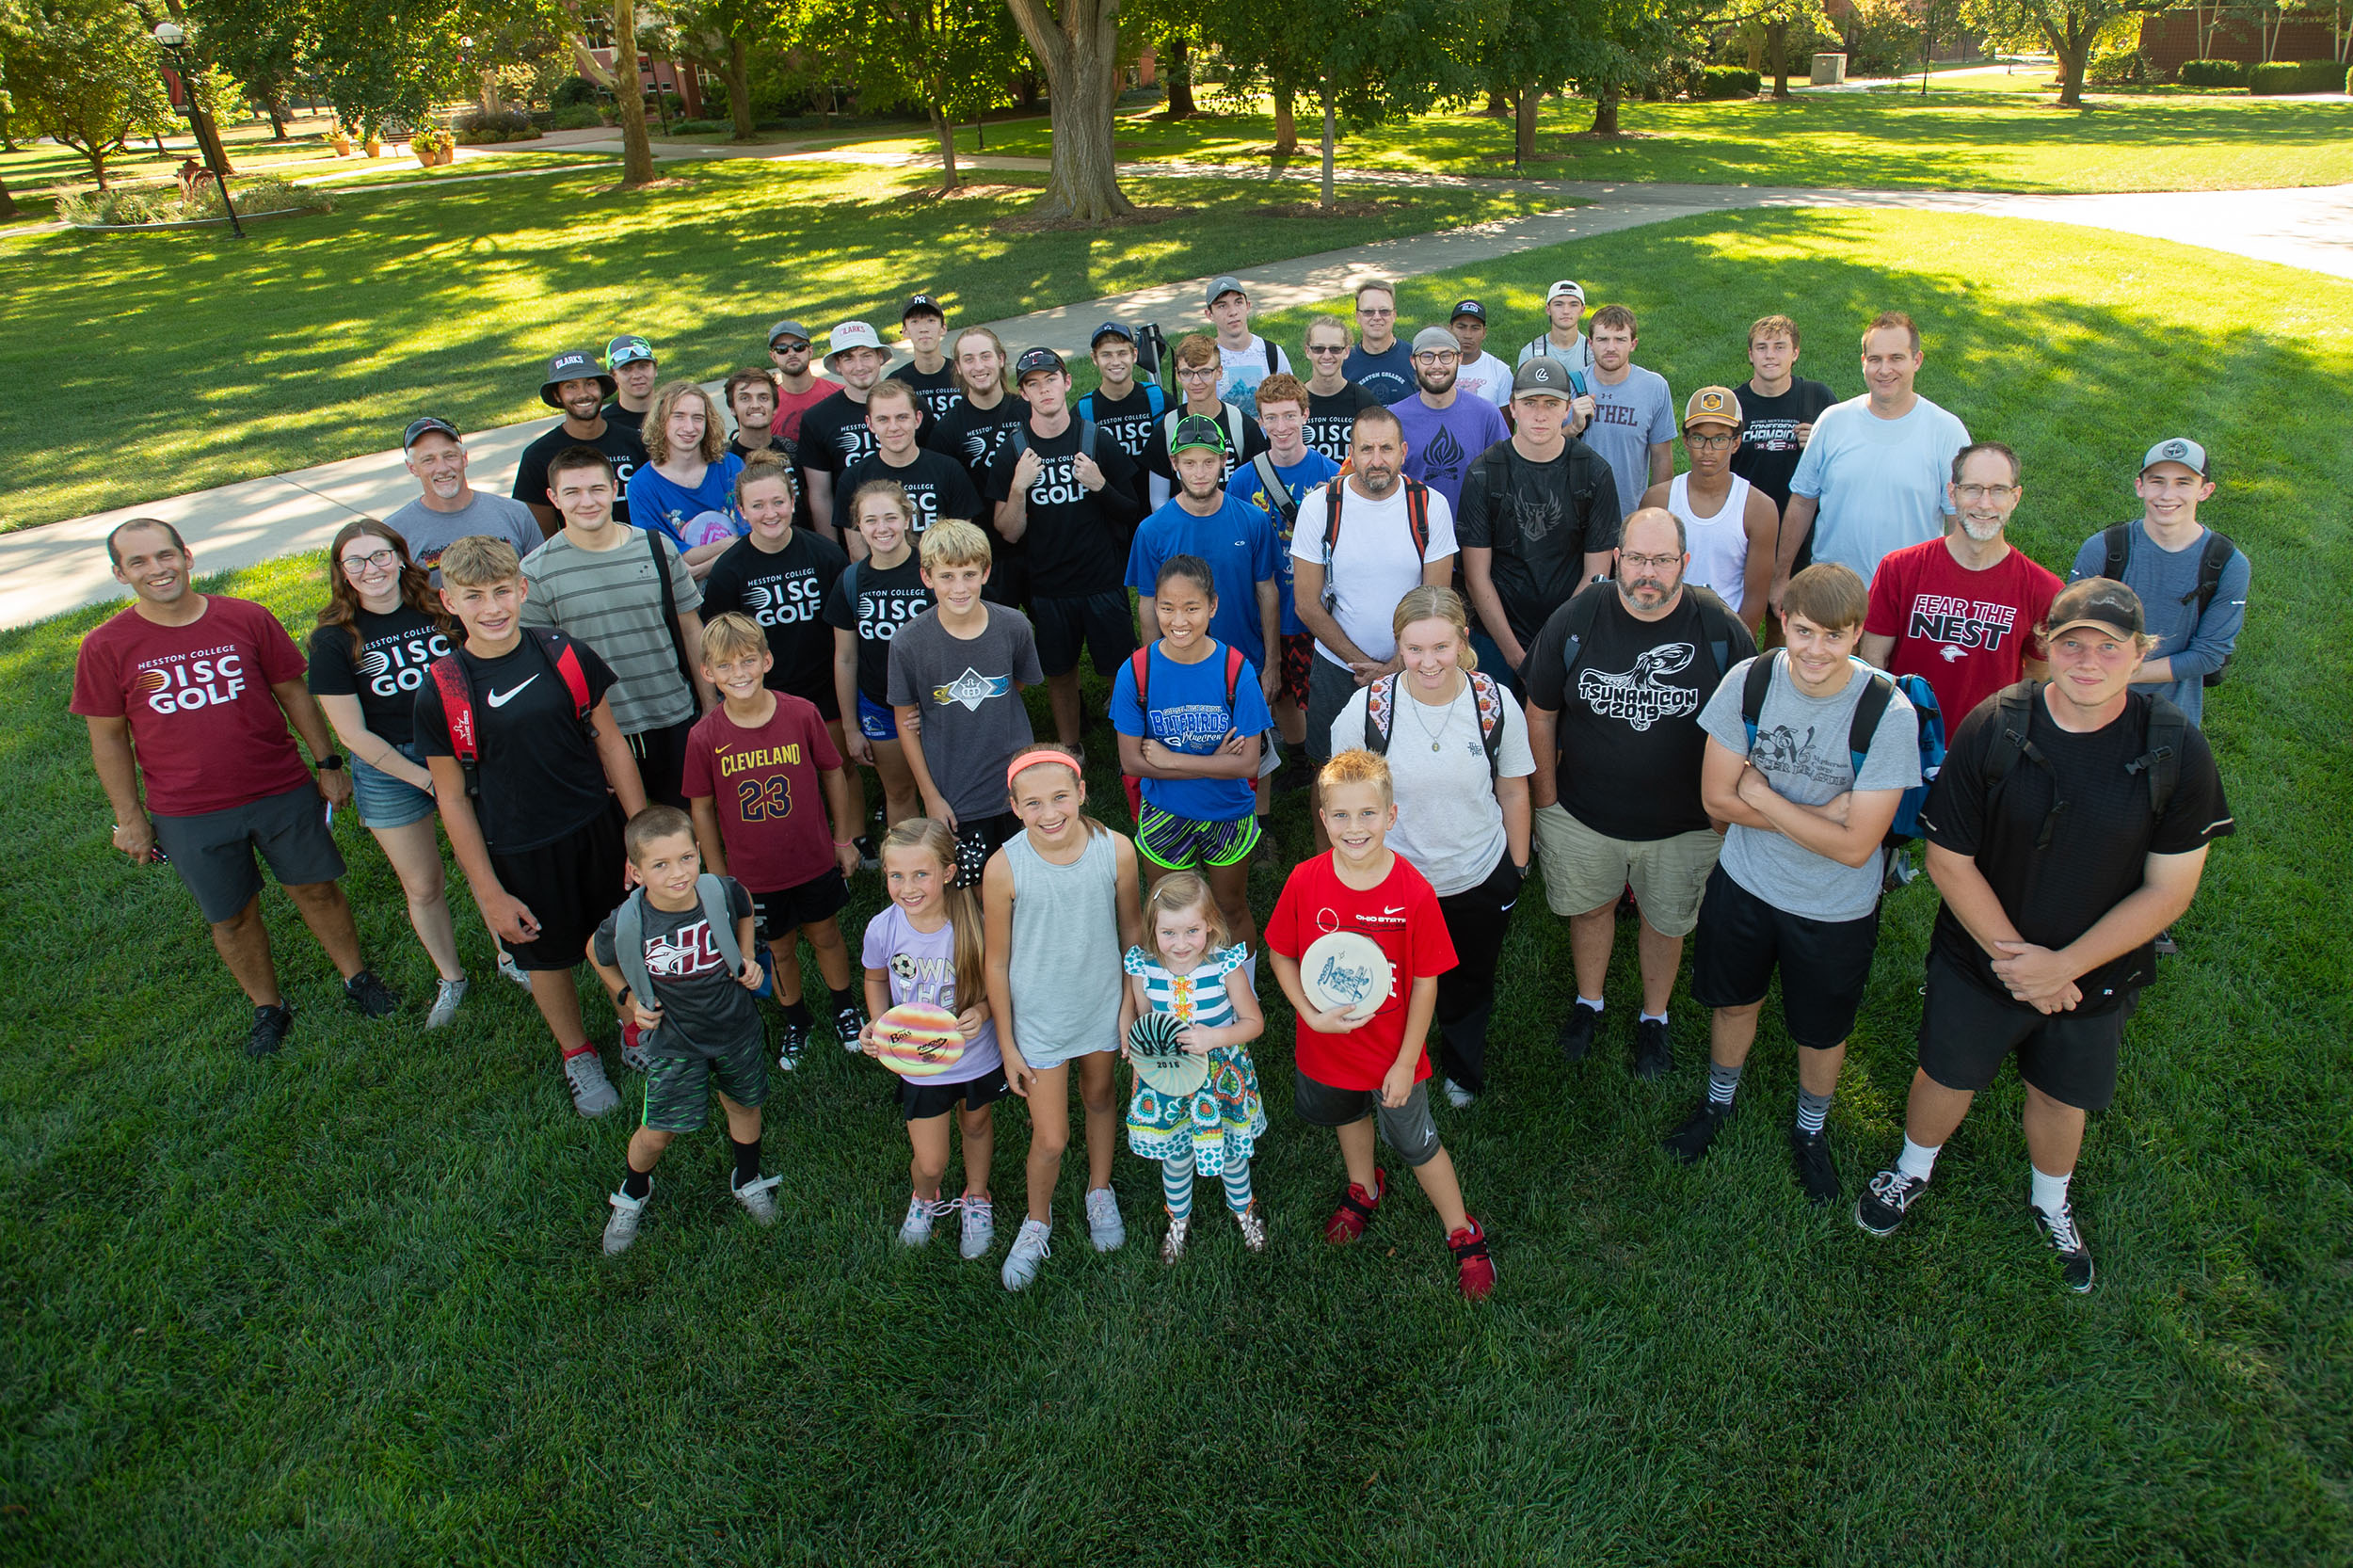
{"points": [[573, 364], [2101, 601], [1119, 330], [1034, 360], [1543, 375], [1470, 308], [420, 428], [922, 304]]}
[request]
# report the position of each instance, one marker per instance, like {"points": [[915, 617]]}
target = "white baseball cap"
{"points": [[849, 335], [1567, 286]]}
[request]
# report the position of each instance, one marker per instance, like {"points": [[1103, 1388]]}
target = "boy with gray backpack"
{"points": [[678, 958]]}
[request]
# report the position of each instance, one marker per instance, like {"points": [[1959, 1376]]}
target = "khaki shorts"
{"points": [[1584, 870]]}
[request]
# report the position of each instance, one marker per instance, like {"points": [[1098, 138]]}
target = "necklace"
{"points": [[1436, 737]]}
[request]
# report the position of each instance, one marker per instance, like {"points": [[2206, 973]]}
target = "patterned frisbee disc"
{"points": [[918, 1040], [1160, 1061], [1345, 969]]}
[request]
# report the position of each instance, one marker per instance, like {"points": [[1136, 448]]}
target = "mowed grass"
{"points": [[321, 337], [1973, 138], [349, 1305]]}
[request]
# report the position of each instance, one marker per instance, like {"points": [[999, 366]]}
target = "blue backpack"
{"points": [[1868, 711]]}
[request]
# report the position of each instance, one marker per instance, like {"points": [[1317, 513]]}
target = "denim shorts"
{"points": [[388, 802], [874, 721]]}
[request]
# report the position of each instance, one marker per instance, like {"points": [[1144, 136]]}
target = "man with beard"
{"points": [[935, 483], [448, 508], [798, 388], [1333, 401], [834, 434], [1960, 612], [574, 384], [1444, 430], [1615, 681]]}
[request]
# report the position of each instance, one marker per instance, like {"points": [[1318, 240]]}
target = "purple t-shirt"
{"points": [[1442, 443], [922, 967]]}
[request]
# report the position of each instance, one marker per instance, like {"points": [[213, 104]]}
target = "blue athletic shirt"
{"points": [[1238, 542], [1302, 477], [1189, 714]]}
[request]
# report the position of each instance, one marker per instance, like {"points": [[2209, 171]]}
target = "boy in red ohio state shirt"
{"points": [[1351, 1073]]}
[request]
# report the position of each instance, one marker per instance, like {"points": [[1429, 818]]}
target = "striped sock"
{"points": [[1723, 1083], [1176, 1184], [1236, 1175], [1812, 1110]]}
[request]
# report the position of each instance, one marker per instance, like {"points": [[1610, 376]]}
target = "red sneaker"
{"points": [[1356, 1209], [1475, 1273]]}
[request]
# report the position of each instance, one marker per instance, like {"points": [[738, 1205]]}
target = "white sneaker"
{"points": [[593, 1093], [916, 1229], [1030, 1249], [621, 1230], [508, 967], [445, 1000], [1105, 1228], [759, 1198], [1458, 1096], [980, 1226]]}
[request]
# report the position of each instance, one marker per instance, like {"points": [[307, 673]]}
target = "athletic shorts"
{"points": [[920, 1099], [570, 886], [1408, 1128], [1825, 965], [1585, 871], [979, 839], [779, 917], [214, 851], [678, 1088], [1329, 687], [662, 761], [1965, 1031], [383, 801], [1104, 624], [874, 721], [1298, 651], [1181, 844]]}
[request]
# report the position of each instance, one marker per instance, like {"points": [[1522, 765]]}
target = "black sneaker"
{"points": [[2074, 1252], [1817, 1172], [270, 1025], [1881, 1208], [370, 996], [1575, 1036], [2164, 946], [868, 857], [847, 1021], [789, 1037], [1654, 1053], [1690, 1141]]}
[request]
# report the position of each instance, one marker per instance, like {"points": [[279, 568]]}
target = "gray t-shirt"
{"points": [[430, 532], [705, 1010], [1627, 418], [1802, 750], [611, 599], [968, 691]]}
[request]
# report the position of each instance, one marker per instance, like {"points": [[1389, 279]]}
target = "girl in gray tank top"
{"points": [[1065, 963]]}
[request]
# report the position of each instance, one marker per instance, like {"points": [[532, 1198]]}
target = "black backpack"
{"points": [[2013, 718], [2118, 543]]}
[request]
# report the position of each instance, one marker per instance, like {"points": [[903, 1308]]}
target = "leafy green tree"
{"points": [[87, 72], [2068, 28], [622, 80], [954, 57]]}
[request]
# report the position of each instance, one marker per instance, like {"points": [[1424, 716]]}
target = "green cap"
{"points": [[1196, 430]]}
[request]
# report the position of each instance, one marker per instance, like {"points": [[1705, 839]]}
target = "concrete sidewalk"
{"points": [[60, 566]]}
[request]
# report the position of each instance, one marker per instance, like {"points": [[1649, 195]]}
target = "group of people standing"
{"points": [[1496, 625]]}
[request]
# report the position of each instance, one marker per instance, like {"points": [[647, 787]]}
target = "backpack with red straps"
{"points": [[456, 684], [1417, 519], [1487, 699], [1140, 665]]}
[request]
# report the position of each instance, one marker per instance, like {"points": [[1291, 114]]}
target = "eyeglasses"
{"points": [[1375, 313], [1327, 348], [1651, 563], [1710, 443], [1436, 357], [380, 560], [1985, 493], [1196, 373]]}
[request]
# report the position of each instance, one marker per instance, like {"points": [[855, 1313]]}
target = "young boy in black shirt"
{"points": [[519, 735], [2067, 828]]}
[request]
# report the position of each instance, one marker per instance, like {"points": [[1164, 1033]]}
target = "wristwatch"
{"points": [[331, 762]]}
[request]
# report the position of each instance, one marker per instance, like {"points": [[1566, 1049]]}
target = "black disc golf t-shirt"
{"points": [[834, 434], [785, 591], [936, 392], [1076, 538], [1769, 451], [1630, 728], [2100, 841], [1539, 519], [540, 777], [385, 672], [1129, 421], [935, 483], [887, 598], [972, 436], [617, 442], [1332, 419]]}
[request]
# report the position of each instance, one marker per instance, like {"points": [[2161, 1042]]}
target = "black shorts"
{"points": [[1104, 623], [978, 838], [662, 761], [570, 886], [1329, 687], [779, 917], [1965, 1031], [1825, 965], [920, 1099], [1408, 1128], [213, 850]]}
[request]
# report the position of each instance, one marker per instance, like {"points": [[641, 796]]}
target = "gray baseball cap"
{"points": [[787, 329], [2176, 449], [1436, 337], [1542, 376], [1219, 287]]}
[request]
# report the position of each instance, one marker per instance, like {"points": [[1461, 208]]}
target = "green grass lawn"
{"points": [[323, 336], [348, 1306], [1976, 139]]}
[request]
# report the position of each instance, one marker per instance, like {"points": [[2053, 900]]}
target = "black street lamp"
{"points": [[174, 38]]}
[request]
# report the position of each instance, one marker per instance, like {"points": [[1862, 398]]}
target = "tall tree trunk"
{"points": [[1777, 44], [489, 80], [1605, 110], [1524, 126], [1327, 143], [739, 80], [1498, 104], [629, 96], [1286, 121], [1080, 52], [2071, 52], [1756, 48], [8, 202], [1180, 104], [274, 103], [97, 166], [945, 129]]}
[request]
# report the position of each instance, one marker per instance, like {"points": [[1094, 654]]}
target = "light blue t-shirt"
{"points": [[1238, 542], [1309, 473], [1442, 443], [1880, 481], [1628, 418], [673, 508], [2166, 582], [1190, 715]]}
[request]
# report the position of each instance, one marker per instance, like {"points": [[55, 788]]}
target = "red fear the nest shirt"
{"points": [[208, 734], [1965, 631], [1402, 915]]}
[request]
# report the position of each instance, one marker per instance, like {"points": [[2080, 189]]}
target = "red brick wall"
{"points": [[2171, 37]]}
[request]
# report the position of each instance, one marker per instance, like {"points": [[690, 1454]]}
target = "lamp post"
{"points": [[174, 38]]}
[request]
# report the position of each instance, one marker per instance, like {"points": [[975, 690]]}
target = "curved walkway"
{"points": [[60, 566]]}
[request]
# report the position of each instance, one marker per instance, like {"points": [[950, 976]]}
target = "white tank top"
{"points": [[1720, 545]]}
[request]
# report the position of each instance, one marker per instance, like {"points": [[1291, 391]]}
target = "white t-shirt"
{"points": [[1240, 370], [1373, 564], [1485, 376], [1449, 826]]}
